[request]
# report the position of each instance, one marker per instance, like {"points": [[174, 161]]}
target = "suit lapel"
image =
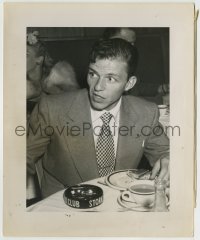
{"points": [[128, 144], [81, 146]]}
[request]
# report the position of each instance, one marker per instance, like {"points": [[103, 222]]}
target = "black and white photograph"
{"points": [[98, 117], [99, 130]]}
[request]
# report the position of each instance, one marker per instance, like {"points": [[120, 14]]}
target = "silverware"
{"points": [[136, 176], [103, 182]]}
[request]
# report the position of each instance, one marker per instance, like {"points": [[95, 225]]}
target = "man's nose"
{"points": [[100, 85]]}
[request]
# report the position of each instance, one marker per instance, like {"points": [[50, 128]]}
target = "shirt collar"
{"points": [[114, 111]]}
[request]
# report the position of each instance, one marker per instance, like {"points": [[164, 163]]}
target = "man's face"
{"points": [[107, 80], [126, 34]]}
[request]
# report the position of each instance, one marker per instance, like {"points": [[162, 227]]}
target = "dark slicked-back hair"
{"points": [[115, 48]]}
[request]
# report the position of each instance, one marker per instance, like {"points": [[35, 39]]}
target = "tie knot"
{"points": [[106, 117]]}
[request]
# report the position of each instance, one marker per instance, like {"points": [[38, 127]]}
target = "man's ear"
{"points": [[40, 60], [131, 83]]}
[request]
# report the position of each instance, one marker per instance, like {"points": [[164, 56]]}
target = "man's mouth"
{"points": [[97, 96]]}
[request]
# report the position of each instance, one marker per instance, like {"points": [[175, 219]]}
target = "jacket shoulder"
{"points": [[63, 100], [144, 110], [140, 102]]}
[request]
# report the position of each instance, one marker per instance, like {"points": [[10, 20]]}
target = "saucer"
{"points": [[132, 205]]}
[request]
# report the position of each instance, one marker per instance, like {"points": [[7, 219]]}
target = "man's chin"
{"points": [[97, 106]]}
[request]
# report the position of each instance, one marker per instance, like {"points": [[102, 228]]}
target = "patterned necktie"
{"points": [[105, 152]]}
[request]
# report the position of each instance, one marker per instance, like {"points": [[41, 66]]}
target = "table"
{"points": [[55, 202]]}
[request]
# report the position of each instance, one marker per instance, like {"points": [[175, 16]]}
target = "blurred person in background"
{"points": [[38, 65], [61, 78], [127, 34], [43, 78]]}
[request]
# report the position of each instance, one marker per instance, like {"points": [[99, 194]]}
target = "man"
{"points": [[83, 135]]}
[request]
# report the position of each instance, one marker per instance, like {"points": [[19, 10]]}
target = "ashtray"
{"points": [[83, 196]]}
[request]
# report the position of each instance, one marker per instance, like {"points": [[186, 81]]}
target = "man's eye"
{"points": [[111, 79], [91, 74]]}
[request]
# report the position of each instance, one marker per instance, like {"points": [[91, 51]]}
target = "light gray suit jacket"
{"points": [[60, 133]]}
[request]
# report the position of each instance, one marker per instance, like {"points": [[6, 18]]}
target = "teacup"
{"points": [[141, 192]]}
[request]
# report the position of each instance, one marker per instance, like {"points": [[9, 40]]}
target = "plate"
{"points": [[120, 180], [131, 205]]}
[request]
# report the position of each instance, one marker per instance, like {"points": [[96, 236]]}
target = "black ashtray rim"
{"points": [[92, 196]]}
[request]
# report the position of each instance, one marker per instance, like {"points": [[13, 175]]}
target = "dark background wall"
{"points": [[73, 45]]}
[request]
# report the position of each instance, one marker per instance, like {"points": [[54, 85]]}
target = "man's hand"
{"points": [[161, 169]]}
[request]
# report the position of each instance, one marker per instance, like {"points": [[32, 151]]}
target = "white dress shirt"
{"points": [[114, 123]]}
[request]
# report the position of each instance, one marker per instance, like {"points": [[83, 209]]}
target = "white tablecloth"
{"points": [[55, 202]]}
